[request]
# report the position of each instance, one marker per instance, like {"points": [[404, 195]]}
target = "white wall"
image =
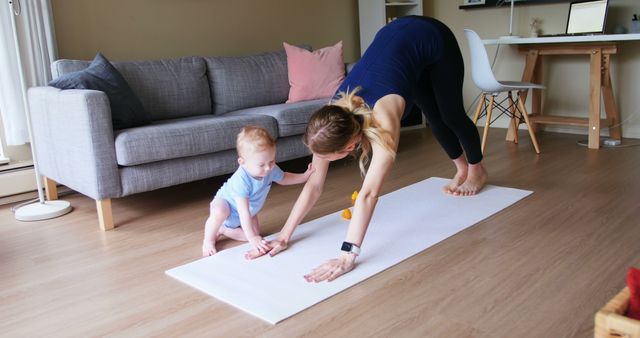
{"points": [[566, 77]]}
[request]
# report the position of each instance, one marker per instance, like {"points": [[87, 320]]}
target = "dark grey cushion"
{"points": [[248, 81], [170, 139], [292, 118], [170, 88], [126, 109]]}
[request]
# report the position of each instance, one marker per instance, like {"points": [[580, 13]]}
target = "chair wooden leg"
{"points": [[525, 114], [515, 121], [50, 189], [479, 108], [105, 216], [485, 132]]}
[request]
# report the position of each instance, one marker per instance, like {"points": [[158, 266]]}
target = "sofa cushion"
{"points": [[314, 75], [170, 88], [170, 139], [248, 81], [292, 118], [126, 109]]}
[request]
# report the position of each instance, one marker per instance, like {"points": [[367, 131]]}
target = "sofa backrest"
{"points": [[168, 88], [248, 81]]}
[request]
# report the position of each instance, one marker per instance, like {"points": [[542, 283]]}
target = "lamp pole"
{"points": [[42, 209]]}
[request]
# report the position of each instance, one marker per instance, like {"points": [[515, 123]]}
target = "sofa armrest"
{"points": [[74, 140]]}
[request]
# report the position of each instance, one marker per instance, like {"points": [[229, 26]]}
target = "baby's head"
{"points": [[256, 151]]}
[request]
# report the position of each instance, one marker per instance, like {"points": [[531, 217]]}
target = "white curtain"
{"points": [[34, 51]]}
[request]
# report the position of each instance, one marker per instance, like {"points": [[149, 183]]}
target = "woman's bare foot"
{"points": [[462, 168], [476, 180], [455, 183]]}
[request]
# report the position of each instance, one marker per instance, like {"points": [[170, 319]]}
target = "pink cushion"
{"points": [[314, 75]]}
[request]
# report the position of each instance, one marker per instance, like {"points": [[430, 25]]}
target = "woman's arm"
{"points": [[307, 199], [387, 112], [381, 163]]}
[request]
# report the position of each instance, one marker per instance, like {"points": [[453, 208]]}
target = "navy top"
{"points": [[396, 59]]}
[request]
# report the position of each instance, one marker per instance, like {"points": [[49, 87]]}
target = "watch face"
{"points": [[346, 246]]}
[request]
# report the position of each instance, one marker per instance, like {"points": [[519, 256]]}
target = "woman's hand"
{"points": [[275, 247], [333, 268], [259, 245]]}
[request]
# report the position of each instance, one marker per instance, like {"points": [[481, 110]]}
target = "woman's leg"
{"points": [[446, 78], [425, 100]]}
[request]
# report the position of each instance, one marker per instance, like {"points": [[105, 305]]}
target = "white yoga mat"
{"points": [[405, 222]]}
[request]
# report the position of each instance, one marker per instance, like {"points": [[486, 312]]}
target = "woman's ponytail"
{"points": [[363, 114]]}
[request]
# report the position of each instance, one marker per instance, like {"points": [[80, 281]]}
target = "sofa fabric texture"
{"points": [[126, 109], [197, 106], [169, 139], [168, 89]]}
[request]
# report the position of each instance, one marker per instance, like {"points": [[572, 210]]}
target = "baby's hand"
{"points": [[310, 170], [259, 244]]}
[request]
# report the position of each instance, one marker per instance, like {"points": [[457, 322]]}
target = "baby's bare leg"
{"points": [[218, 212], [233, 233], [237, 233]]}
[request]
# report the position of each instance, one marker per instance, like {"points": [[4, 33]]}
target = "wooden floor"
{"points": [[540, 268]]}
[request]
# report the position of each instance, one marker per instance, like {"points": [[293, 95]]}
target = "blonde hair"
{"points": [[253, 139], [333, 126]]}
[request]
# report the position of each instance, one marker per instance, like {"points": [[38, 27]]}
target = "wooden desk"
{"points": [[599, 48]]}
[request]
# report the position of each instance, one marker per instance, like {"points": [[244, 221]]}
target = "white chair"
{"points": [[485, 80]]}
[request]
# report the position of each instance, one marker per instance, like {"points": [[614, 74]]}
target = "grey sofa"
{"points": [[197, 104]]}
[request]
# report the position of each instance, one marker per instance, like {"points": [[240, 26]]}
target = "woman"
{"points": [[412, 60]]}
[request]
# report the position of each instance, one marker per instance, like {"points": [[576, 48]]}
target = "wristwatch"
{"points": [[350, 248]]}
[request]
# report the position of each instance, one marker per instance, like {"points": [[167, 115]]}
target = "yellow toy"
{"points": [[346, 213]]}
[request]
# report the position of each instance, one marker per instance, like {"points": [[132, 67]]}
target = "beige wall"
{"points": [[147, 29], [151, 29], [567, 76]]}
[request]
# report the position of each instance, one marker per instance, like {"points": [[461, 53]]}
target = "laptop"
{"points": [[585, 18]]}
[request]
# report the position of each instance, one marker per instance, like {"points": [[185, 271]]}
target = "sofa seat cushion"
{"points": [[170, 139], [292, 118]]}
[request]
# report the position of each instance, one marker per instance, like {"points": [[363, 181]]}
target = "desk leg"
{"points": [[594, 93], [528, 75], [613, 115], [536, 94]]}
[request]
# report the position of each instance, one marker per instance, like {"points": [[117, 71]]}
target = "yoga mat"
{"points": [[404, 223]]}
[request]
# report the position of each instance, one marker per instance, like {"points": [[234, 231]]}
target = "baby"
{"points": [[234, 209]]}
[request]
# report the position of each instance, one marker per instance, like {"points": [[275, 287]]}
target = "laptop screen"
{"points": [[587, 17]]}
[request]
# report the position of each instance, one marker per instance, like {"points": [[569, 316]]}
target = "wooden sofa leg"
{"points": [[105, 216], [50, 189]]}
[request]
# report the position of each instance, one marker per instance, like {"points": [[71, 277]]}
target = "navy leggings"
{"points": [[439, 96]]}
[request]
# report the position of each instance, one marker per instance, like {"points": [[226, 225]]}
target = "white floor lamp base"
{"points": [[39, 211]]}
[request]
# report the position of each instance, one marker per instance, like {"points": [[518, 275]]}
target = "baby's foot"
{"points": [[476, 180], [208, 248]]}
